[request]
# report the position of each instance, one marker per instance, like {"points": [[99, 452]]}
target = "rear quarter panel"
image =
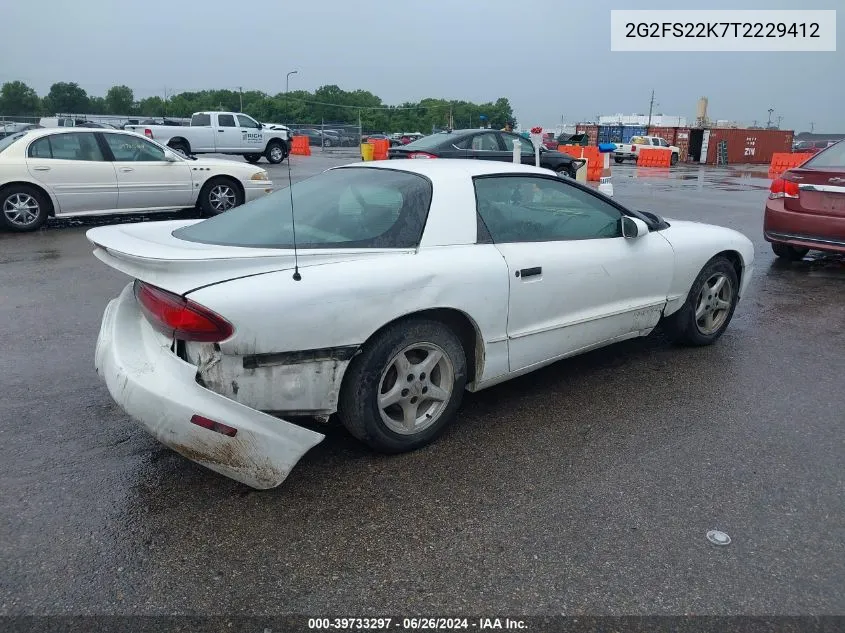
{"points": [[344, 304]]}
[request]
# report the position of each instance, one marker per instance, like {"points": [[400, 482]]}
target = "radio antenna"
{"points": [[296, 275]]}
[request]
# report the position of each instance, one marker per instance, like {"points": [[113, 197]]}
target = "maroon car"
{"points": [[806, 206]]}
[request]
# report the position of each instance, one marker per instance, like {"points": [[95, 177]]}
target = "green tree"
{"points": [[66, 97], [97, 105], [18, 98], [151, 106], [120, 100]]}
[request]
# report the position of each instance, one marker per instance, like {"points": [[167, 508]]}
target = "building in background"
{"points": [[659, 120]]}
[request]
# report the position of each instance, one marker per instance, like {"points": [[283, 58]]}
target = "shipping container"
{"points": [[591, 130], [610, 133], [749, 146], [630, 131], [677, 136]]}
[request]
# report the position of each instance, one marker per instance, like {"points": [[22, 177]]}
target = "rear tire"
{"points": [[180, 146], [405, 386], [789, 253], [253, 158], [709, 307], [23, 208], [619, 161], [219, 195]]}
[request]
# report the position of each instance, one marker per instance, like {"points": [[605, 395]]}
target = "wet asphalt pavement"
{"points": [[584, 488]]}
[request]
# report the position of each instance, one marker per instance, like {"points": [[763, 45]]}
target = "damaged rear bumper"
{"points": [[159, 390]]}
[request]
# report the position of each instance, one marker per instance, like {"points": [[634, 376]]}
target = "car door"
{"points": [[73, 167], [145, 179], [226, 134], [251, 137], [575, 282]]}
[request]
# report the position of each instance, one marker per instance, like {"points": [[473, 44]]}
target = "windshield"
{"points": [[350, 207], [834, 156], [6, 142]]}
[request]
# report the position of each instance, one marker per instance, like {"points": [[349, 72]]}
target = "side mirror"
{"points": [[170, 157], [632, 228]]}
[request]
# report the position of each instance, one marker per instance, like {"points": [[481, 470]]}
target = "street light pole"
{"points": [[287, 85], [769, 123]]}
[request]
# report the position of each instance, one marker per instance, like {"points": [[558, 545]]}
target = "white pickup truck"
{"points": [[629, 150], [222, 133]]}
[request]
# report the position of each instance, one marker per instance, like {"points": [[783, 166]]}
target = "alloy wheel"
{"points": [[415, 388]]}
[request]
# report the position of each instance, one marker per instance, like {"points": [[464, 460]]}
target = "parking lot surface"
{"points": [[584, 488]]}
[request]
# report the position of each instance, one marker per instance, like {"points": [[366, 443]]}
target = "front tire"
{"points": [[674, 159], [618, 160], [789, 253], [405, 386], [709, 306], [275, 152], [23, 208], [219, 195]]}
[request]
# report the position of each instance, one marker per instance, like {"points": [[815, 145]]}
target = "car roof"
{"points": [[44, 131], [449, 166]]}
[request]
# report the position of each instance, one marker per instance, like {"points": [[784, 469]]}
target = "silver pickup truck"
{"points": [[222, 133]]}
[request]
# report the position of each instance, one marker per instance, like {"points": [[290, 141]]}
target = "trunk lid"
{"points": [[821, 191], [148, 251]]}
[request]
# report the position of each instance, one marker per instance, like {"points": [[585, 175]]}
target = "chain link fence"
{"points": [[332, 138]]}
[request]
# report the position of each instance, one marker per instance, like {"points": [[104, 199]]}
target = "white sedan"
{"points": [[410, 281], [71, 172]]}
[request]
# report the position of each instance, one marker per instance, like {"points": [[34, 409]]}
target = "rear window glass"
{"points": [[9, 140], [351, 207], [432, 141], [833, 156], [201, 119]]}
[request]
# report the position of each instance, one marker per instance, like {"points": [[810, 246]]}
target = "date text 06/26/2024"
{"points": [[723, 31], [417, 624]]}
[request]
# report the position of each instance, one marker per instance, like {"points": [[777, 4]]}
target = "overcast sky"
{"points": [[550, 58]]}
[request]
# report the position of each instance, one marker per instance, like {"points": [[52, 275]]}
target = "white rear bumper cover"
{"points": [[159, 390]]}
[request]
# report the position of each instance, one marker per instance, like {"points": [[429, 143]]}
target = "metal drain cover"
{"points": [[718, 538]]}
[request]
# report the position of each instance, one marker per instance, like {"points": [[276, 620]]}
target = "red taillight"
{"points": [[211, 425], [421, 155], [148, 133], [179, 317], [783, 188]]}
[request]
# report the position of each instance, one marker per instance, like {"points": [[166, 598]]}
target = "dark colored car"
{"points": [[485, 145], [573, 139], [806, 206], [314, 136]]}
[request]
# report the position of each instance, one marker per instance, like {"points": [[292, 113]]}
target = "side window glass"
{"points": [[245, 121], [41, 148], [199, 120], [485, 143], [532, 209], [525, 144], [133, 148], [226, 120], [75, 146]]}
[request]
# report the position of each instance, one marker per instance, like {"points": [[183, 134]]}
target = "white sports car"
{"points": [[78, 171], [410, 282]]}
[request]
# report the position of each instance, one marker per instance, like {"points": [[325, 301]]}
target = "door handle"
{"points": [[127, 169], [529, 272], [41, 168], [221, 130]]}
